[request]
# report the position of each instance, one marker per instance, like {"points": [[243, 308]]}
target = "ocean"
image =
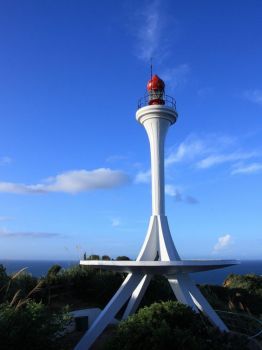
{"points": [[39, 268]]}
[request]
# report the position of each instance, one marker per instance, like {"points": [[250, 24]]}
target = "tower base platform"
{"points": [[135, 284], [159, 267]]}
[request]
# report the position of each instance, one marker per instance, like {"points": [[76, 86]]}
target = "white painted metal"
{"points": [[156, 120], [150, 246], [158, 243], [137, 296], [168, 268], [179, 287], [115, 304]]}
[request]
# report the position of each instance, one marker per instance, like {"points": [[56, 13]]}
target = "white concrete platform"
{"points": [[159, 267]]}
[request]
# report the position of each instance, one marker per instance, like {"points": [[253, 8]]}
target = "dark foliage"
{"points": [[250, 283], [123, 258], [171, 325], [3, 281], [93, 257], [158, 290], [22, 282], [53, 271], [239, 294], [90, 285], [31, 327], [106, 257]]}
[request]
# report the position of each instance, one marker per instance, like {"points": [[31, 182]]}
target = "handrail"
{"points": [[169, 101]]}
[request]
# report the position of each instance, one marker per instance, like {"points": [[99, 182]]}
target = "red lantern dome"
{"points": [[156, 91], [155, 84]]}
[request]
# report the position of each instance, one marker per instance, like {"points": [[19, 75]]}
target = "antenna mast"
{"points": [[151, 68]]}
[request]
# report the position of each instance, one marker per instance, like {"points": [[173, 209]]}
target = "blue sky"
{"points": [[74, 163]]}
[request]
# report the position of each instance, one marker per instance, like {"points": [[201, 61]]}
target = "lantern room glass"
{"points": [[156, 97]]}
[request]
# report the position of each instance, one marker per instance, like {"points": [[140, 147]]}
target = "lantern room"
{"points": [[156, 91]]}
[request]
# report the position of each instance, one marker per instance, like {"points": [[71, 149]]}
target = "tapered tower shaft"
{"points": [[157, 119]]}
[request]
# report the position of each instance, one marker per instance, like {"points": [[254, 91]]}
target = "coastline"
{"points": [[39, 268]]}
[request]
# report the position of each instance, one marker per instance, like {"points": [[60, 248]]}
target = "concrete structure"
{"points": [[156, 117], [91, 313]]}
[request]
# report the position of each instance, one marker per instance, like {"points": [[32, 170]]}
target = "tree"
{"points": [[53, 271], [122, 257], [106, 257], [93, 257]]}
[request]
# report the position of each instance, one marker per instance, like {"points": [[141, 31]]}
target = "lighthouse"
{"points": [[156, 119], [158, 255]]}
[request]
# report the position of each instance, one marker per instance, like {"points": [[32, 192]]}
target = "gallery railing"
{"points": [[169, 101]]}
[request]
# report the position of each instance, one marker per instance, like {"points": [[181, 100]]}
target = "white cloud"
{"points": [[216, 159], [176, 76], [174, 192], [115, 222], [74, 181], [191, 200], [223, 243], [6, 234], [254, 96], [5, 160], [208, 151], [247, 169], [190, 148], [154, 30], [148, 30], [205, 91], [115, 158], [153, 27], [5, 218], [143, 177]]}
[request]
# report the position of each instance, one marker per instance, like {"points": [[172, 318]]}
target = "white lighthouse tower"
{"points": [[158, 255]]}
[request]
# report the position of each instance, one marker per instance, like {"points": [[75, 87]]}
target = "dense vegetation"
{"points": [[171, 325], [26, 324], [239, 293], [33, 308], [250, 283]]}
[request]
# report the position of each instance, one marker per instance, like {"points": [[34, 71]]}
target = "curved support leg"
{"points": [[137, 296], [148, 251], [167, 248], [106, 315], [204, 306], [179, 286], [187, 293], [150, 245]]}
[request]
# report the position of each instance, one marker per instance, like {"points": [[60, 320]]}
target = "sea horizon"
{"points": [[39, 268]]}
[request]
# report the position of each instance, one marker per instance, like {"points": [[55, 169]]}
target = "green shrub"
{"points": [[171, 325], [93, 286], [93, 257], [240, 293], [30, 327], [106, 257], [3, 274], [3, 281], [250, 282], [53, 271], [24, 282], [158, 290], [122, 258], [20, 283]]}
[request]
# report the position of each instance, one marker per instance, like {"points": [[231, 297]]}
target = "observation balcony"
{"points": [[167, 101]]}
